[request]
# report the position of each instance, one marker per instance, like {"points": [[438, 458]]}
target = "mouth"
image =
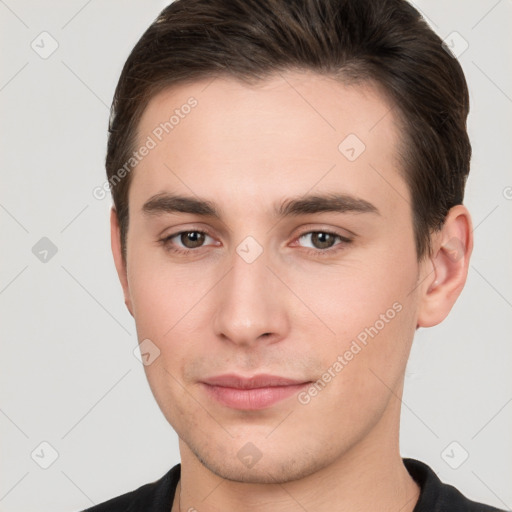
{"points": [[253, 393]]}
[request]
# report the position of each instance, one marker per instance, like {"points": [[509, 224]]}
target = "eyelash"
{"points": [[315, 252]]}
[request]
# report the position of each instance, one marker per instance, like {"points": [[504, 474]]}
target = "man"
{"points": [[288, 180]]}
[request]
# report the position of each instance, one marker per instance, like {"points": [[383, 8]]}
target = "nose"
{"points": [[251, 303]]}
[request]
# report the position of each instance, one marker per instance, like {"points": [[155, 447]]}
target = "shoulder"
{"points": [[437, 496], [156, 496]]}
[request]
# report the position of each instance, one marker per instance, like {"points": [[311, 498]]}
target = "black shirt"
{"points": [[435, 496]]}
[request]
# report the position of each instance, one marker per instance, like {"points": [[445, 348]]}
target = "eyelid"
{"points": [[342, 232], [332, 231]]}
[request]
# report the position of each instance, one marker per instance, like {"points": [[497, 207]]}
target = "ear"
{"points": [[444, 273], [115, 241]]}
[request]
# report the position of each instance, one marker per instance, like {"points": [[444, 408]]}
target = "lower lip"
{"points": [[252, 399]]}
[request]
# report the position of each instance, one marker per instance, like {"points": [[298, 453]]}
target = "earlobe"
{"points": [[445, 272], [115, 241]]}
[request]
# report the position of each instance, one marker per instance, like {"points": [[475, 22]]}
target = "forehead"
{"points": [[289, 133]]}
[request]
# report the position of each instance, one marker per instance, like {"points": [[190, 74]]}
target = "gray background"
{"points": [[67, 372]]}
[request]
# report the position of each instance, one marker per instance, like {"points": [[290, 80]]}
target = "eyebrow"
{"points": [[166, 203]]}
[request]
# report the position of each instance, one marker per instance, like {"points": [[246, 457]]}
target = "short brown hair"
{"points": [[385, 41]]}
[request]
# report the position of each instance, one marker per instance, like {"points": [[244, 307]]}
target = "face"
{"points": [[260, 273]]}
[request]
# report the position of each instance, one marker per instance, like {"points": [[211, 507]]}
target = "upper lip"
{"points": [[256, 381]]}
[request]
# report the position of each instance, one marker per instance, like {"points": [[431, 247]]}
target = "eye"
{"points": [[185, 241], [324, 241]]}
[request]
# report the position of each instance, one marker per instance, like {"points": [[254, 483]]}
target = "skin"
{"points": [[292, 311]]}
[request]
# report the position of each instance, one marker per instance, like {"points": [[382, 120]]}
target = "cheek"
{"points": [[358, 294], [155, 305], [160, 292], [370, 311], [169, 302]]}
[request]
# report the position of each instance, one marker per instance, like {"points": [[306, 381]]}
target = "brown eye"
{"points": [[323, 243], [192, 239], [322, 240], [187, 242]]}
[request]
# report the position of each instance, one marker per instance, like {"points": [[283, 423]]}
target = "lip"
{"points": [[251, 393]]}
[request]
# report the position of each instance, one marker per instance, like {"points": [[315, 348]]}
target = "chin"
{"points": [[277, 468]]}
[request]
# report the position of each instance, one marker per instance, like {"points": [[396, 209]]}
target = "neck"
{"points": [[371, 472]]}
